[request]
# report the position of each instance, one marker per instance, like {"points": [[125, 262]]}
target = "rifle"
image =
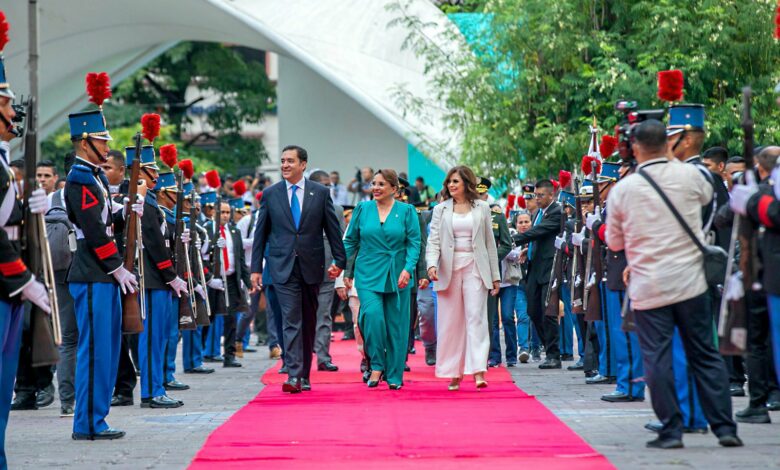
{"points": [[202, 307], [732, 328], [578, 261], [553, 298], [133, 308], [37, 256], [181, 262], [216, 260], [593, 305]]}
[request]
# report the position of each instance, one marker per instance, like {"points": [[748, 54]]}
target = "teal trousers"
{"points": [[384, 323]]}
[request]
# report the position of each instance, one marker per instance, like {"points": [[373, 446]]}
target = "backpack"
{"points": [[59, 231]]}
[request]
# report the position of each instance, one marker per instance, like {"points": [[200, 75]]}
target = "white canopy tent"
{"points": [[342, 47]]}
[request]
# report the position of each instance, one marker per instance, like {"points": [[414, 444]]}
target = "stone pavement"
{"points": [[168, 439]]}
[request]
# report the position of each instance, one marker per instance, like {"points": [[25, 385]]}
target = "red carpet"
{"points": [[342, 424]]}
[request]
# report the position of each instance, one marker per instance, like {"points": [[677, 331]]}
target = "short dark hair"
{"points": [[651, 134], [46, 164], [544, 184], [319, 176], [420, 179], [334, 172], [716, 154], [735, 159], [300, 152], [118, 157], [18, 163]]}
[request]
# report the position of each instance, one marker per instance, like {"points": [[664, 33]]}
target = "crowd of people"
{"points": [[608, 266]]}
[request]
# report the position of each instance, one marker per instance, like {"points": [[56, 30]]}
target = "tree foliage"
{"points": [[522, 95]]}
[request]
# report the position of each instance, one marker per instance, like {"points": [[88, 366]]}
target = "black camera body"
{"points": [[631, 118], [17, 123]]}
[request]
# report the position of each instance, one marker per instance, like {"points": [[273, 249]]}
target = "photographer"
{"points": [[667, 284]]}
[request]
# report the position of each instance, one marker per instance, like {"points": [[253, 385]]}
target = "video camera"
{"points": [[631, 118]]}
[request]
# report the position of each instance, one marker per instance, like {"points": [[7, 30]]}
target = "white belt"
{"points": [[13, 232]]}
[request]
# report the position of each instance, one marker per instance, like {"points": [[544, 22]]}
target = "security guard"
{"points": [[96, 273], [503, 247], [16, 281], [160, 283]]}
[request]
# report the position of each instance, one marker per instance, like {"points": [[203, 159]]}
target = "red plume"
{"points": [[607, 146], [510, 203], [564, 179], [98, 87], [239, 187], [186, 167], [150, 123], [777, 25], [521, 203], [586, 165], [3, 31], [212, 178], [168, 154], [259, 196], [555, 184], [670, 85]]}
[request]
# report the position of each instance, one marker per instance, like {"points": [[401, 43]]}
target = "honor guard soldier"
{"points": [[212, 350], [503, 247], [568, 323], [244, 319], [96, 274], [160, 283], [17, 283], [625, 344], [192, 340]]}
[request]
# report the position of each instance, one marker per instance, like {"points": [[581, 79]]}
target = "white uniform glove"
{"points": [[36, 293], [559, 242], [740, 194], [577, 238], [200, 292], [137, 207], [734, 288], [185, 236], [216, 284], [591, 219], [38, 201], [221, 243], [127, 281], [179, 286]]}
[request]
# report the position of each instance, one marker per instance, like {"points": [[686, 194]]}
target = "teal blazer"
{"points": [[383, 250]]}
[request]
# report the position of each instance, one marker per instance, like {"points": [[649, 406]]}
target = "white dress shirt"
{"points": [[230, 255], [666, 266], [298, 192]]}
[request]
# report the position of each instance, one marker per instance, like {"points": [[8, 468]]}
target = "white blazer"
{"points": [[441, 244]]}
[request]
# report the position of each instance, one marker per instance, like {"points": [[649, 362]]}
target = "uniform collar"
{"points": [[653, 162], [693, 159]]}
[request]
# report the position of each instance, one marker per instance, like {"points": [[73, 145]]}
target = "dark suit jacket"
{"points": [[543, 237], [238, 252], [275, 228]]}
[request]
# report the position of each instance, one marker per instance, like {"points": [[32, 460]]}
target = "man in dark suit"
{"points": [[541, 251], [292, 217]]}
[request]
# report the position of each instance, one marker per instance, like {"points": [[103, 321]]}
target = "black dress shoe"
{"points": [[394, 386], [292, 385], [668, 443], [567, 357], [163, 401], [599, 379], [412, 350], [363, 365], [619, 397], [199, 370], [730, 440], [305, 385], [753, 415], [737, 390], [430, 357], [550, 363], [45, 397], [176, 385], [231, 362], [579, 365], [121, 400], [773, 403], [407, 368], [328, 367], [284, 370], [348, 335], [654, 426], [24, 402], [107, 435], [366, 376], [591, 373], [492, 363], [695, 430], [213, 358]]}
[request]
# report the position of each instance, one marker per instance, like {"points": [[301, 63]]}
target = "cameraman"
{"points": [[667, 285]]}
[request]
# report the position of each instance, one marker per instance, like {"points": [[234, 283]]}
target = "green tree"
{"points": [[522, 94]]}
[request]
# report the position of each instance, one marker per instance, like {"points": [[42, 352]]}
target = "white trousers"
{"points": [[462, 339]]}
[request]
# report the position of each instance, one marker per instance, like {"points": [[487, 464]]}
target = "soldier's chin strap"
{"points": [[95, 150], [679, 141]]}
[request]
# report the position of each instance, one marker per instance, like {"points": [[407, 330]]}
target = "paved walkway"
{"points": [[168, 439]]}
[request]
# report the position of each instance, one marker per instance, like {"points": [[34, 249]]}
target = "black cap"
{"points": [[483, 185], [403, 182]]}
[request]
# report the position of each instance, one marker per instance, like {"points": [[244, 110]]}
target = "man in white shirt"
{"points": [[666, 283], [338, 192]]}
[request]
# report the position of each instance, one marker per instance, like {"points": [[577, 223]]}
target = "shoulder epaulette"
{"points": [[81, 174], [496, 210]]}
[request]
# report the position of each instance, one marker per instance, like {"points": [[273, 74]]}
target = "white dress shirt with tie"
{"points": [[298, 192]]}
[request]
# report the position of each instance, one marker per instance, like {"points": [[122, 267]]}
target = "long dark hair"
{"points": [[469, 182]]}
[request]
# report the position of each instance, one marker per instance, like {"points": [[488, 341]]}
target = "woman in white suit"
{"points": [[462, 260]]}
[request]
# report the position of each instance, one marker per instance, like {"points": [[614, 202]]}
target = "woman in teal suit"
{"points": [[385, 234]]}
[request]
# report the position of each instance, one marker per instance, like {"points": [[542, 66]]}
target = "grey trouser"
{"points": [[324, 322], [66, 368], [426, 311]]}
